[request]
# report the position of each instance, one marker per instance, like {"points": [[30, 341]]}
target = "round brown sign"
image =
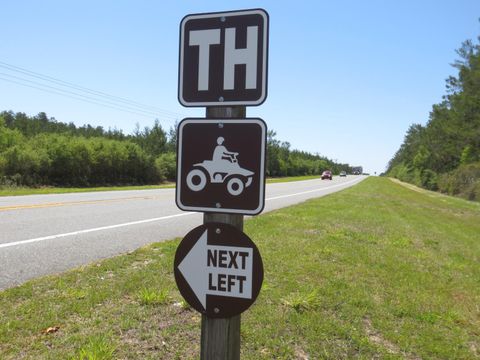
{"points": [[218, 270]]}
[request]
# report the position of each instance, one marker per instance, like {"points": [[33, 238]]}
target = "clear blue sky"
{"points": [[346, 78]]}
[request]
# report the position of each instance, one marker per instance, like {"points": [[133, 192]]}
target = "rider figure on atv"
{"points": [[223, 168], [221, 153]]}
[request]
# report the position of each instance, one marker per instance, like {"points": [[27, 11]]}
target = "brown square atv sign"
{"points": [[221, 165]]}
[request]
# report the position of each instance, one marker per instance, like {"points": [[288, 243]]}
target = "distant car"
{"points": [[327, 174], [343, 173]]}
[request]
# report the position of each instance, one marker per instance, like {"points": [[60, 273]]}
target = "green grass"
{"points": [[375, 271], [153, 297], [17, 191], [97, 348], [292, 178]]}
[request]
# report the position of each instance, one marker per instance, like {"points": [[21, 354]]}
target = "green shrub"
{"points": [[165, 166], [464, 181], [445, 183], [9, 138], [429, 179], [25, 165], [403, 173]]}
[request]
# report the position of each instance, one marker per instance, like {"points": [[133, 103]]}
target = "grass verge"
{"points": [[374, 271], [17, 191], [292, 178]]}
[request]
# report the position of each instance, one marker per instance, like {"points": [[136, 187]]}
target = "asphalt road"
{"points": [[46, 234]]}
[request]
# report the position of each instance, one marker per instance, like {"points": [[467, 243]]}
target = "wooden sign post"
{"points": [[220, 338], [222, 66]]}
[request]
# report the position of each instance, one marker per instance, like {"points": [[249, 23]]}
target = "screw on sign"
{"points": [[218, 270]]}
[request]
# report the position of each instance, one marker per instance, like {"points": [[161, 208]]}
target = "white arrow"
{"points": [[218, 270]]}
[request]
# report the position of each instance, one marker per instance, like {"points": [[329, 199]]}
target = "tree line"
{"points": [[41, 151], [444, 154]]}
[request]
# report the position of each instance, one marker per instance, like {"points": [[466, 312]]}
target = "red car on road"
{"points": [[327, 174]]}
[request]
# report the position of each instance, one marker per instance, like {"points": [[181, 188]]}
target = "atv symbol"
{"points": [[223, 168]]}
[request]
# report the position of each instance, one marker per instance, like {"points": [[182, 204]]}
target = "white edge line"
{"points": [[315, 190], [51, 237]]}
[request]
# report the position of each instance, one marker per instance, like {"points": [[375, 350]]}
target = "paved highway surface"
{"points": [[45, 234]]}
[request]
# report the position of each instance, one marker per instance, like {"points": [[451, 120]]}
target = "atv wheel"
{"points": [[235, 186], [196, 180]]}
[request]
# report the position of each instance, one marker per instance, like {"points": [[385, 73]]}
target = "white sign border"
{"points": [[263, 97]]}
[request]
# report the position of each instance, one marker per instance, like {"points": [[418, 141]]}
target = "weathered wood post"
{"points": [[218, 269], [220, 338]]}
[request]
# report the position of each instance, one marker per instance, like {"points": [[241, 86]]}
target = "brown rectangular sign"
{"points": [[223, 58], [221, 165]]}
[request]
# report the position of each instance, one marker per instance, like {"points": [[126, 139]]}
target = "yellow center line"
{"points": [[86, 202]]}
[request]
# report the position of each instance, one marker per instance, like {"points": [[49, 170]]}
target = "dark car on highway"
{"points": [[327, 174]]}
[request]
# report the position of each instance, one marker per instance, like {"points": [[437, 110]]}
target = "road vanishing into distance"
{"points": [[47, 234]]}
